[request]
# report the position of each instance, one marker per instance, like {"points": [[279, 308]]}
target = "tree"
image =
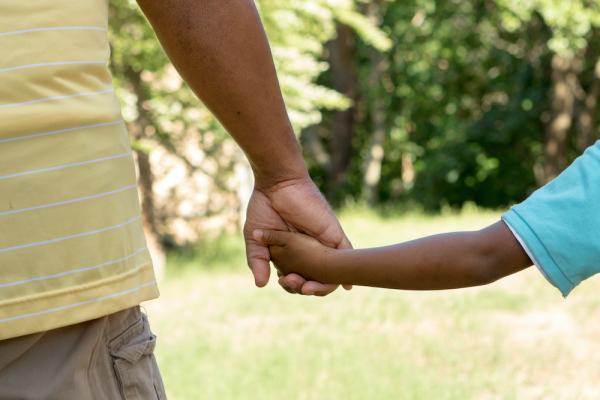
{"points": [[573, 25], [192, 178]]}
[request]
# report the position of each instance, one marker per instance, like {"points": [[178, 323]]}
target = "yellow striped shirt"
{"points": [[71, 241]]}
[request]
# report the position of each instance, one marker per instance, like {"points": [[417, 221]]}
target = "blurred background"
{"points": [[416, 117]]}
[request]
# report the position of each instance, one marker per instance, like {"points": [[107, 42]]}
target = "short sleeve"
{"points": [[559, 224]]}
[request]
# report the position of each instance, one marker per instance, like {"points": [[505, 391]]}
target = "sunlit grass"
{"points": [[221, 338]]}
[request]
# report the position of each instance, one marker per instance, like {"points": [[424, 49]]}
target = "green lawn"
{"points": [[220, 338]]}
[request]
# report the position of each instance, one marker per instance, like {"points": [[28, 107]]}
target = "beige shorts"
{"points": [[109, 358]]}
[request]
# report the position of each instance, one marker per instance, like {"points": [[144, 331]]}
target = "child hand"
{"points": [[296, 253]]}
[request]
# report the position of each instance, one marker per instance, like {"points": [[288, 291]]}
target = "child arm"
{"points": [[445, 261]]}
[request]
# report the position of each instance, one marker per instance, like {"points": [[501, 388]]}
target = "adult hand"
{"points": [[295, 205]]}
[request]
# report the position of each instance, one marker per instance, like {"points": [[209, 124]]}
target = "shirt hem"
{"points": [[538, 253], [71, 308]]}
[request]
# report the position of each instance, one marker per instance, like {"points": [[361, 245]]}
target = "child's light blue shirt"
{"points": [[559, 224]]}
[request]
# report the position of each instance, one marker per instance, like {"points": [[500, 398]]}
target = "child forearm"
{"points": [[445, 261]]}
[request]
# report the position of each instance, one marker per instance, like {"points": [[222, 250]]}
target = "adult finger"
{"points": [[345, 243], [285, 287], [271, 238], [258, 260], [312, 288], [292, 283]]}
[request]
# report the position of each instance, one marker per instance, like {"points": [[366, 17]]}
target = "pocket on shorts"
{"points": [[135, 367]]}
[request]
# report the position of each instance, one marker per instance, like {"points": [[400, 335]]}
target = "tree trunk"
{"points": [[586, 120], [375, 152], [408, 170], [311, 142], [374, 159], [139, 129], [341, 57], [564, 86]]}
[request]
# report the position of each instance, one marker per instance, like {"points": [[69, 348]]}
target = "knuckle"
{"points": [[288, 289], [267, 235]]}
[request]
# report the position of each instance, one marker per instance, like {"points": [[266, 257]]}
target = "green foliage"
{"points": [[466, 92], [570, 21], [164, 115], [297, 31], [465, 87]]}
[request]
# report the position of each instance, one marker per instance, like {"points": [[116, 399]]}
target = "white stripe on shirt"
{"points": [[73, 236], [55, 28], [63, 166], [70, 201], [51, 64], [65, 130], [52, 98], [82, 303], [76, 270]]}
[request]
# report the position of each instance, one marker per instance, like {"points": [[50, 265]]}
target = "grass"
{"points": [[221, 338]]}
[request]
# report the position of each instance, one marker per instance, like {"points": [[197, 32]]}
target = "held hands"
{"points": [[293, 205], [296, 253]]}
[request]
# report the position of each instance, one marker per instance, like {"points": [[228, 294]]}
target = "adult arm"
{"points": [[220, 49]]}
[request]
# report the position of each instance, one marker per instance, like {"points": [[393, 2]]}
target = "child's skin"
{"points": [[446, 261]]}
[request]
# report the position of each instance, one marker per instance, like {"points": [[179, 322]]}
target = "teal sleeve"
{"points": [[560, 223]]}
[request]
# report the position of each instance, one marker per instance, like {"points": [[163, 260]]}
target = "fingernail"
{"points": [[259, 283], [288, 289]]}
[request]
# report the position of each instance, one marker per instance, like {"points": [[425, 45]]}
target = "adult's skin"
{"points": [[219, 47]]}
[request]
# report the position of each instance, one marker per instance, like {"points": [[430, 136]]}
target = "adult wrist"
{"points": [[275, 179], [275, 156]]}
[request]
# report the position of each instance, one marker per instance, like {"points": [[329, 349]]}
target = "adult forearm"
{"points": [[445, 261], [219, 47]]}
